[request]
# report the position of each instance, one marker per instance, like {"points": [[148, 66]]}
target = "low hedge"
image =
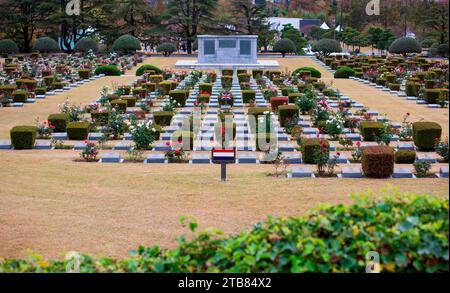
{"points": [[378, 161], [100, 117], [23, 137], [227, 72], [180, 96], [203, 98], [147, 67], [205, 87], [40, 91], [286, 113], [84, 73], [370, 130], [412, 89], [249, 96], [257, 73], [276, 102], [405, 157], [244, 77], [20, 96], [431, 96], [131, 101], [108, 70], [57, 85], [59, 121], [394, 86], [309, 148], [163, 118], [425, 135], [293, 97], [344, 72], [78, 130], [120, 105], [409, 231]]}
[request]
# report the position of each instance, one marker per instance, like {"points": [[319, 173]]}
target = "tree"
{"points": [[166, 48], [293, 34], [46, 45], [327, 46], [20, 19], [187, 17], [284, 46], [434, 17], [385, 40], [136, 16], [374, 35], [126, 43], [8, 46]]}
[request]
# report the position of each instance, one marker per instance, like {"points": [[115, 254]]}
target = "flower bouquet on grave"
{"points": [[175, 153], [270, 92], [90, 151], [44, 129], [226, 98]]}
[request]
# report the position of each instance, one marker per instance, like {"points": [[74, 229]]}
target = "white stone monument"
{"points": [[227, 52]]}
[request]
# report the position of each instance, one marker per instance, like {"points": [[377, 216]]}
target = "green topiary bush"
{"points": [[309, 148], [125, 44], [148, 67], [108, 70], [286, 113], [131, 101], [428, 42], [46, 45], [314, 72], [162, 118], [59, 121], [404, 46], [180, 96], [227, 72], [23, 137], [166, 49], [285, 46], [257, 73], [405, 157], [431, 96], [412, 89], [40, 91], [20, 96], [377, 161], [8, 46], [344, 72], [327, 46], [84, 73], [205, 87], [85, 44], [78, 130], [425, 135], [293, 97], [443, 50], [370, 130], [249, 96], [120, 105]]}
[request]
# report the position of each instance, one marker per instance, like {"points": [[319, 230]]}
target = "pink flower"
{"points": [[86, 142], [177, 152], [358, 143], [167, 143]]}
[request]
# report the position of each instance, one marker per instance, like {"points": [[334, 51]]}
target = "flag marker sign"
{"points": [[223, 156]]}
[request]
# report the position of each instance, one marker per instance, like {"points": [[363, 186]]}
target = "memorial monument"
{"points": [[227, 52]]}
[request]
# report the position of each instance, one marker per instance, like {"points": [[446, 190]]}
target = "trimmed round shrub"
{"points": [[344, 72], [285, 46], [59, 121], [108, 70], [147, 67], [412, 89], [23, 137], [405, 157], [327, 46], [8, 46], [442, 50], [309, 148], [370, 130], [404, 46], [166, 49], [78, 130], [46, 45], [286, 113], [126, 43], [163, 118], [120, 105], [314, 72], [378, 161], [425, 135], [428, 42], [85, 44]]}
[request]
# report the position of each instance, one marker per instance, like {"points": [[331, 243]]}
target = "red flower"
{"points": [[222, 130], [408, 113], [86, 141], [177, 152], [167, 143], [358, 143], [338, 154]]}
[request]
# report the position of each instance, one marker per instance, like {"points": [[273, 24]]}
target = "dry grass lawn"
{"points": [[51, 204]]}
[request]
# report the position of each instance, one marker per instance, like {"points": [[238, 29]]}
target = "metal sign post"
{"points": [[223, 156]]}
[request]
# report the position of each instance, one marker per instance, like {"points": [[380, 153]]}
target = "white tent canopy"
{"points": [[338, 28], [324, 26]]}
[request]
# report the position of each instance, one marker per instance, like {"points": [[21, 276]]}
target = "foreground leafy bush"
{"points": [[314, 72], [410, 232]]}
